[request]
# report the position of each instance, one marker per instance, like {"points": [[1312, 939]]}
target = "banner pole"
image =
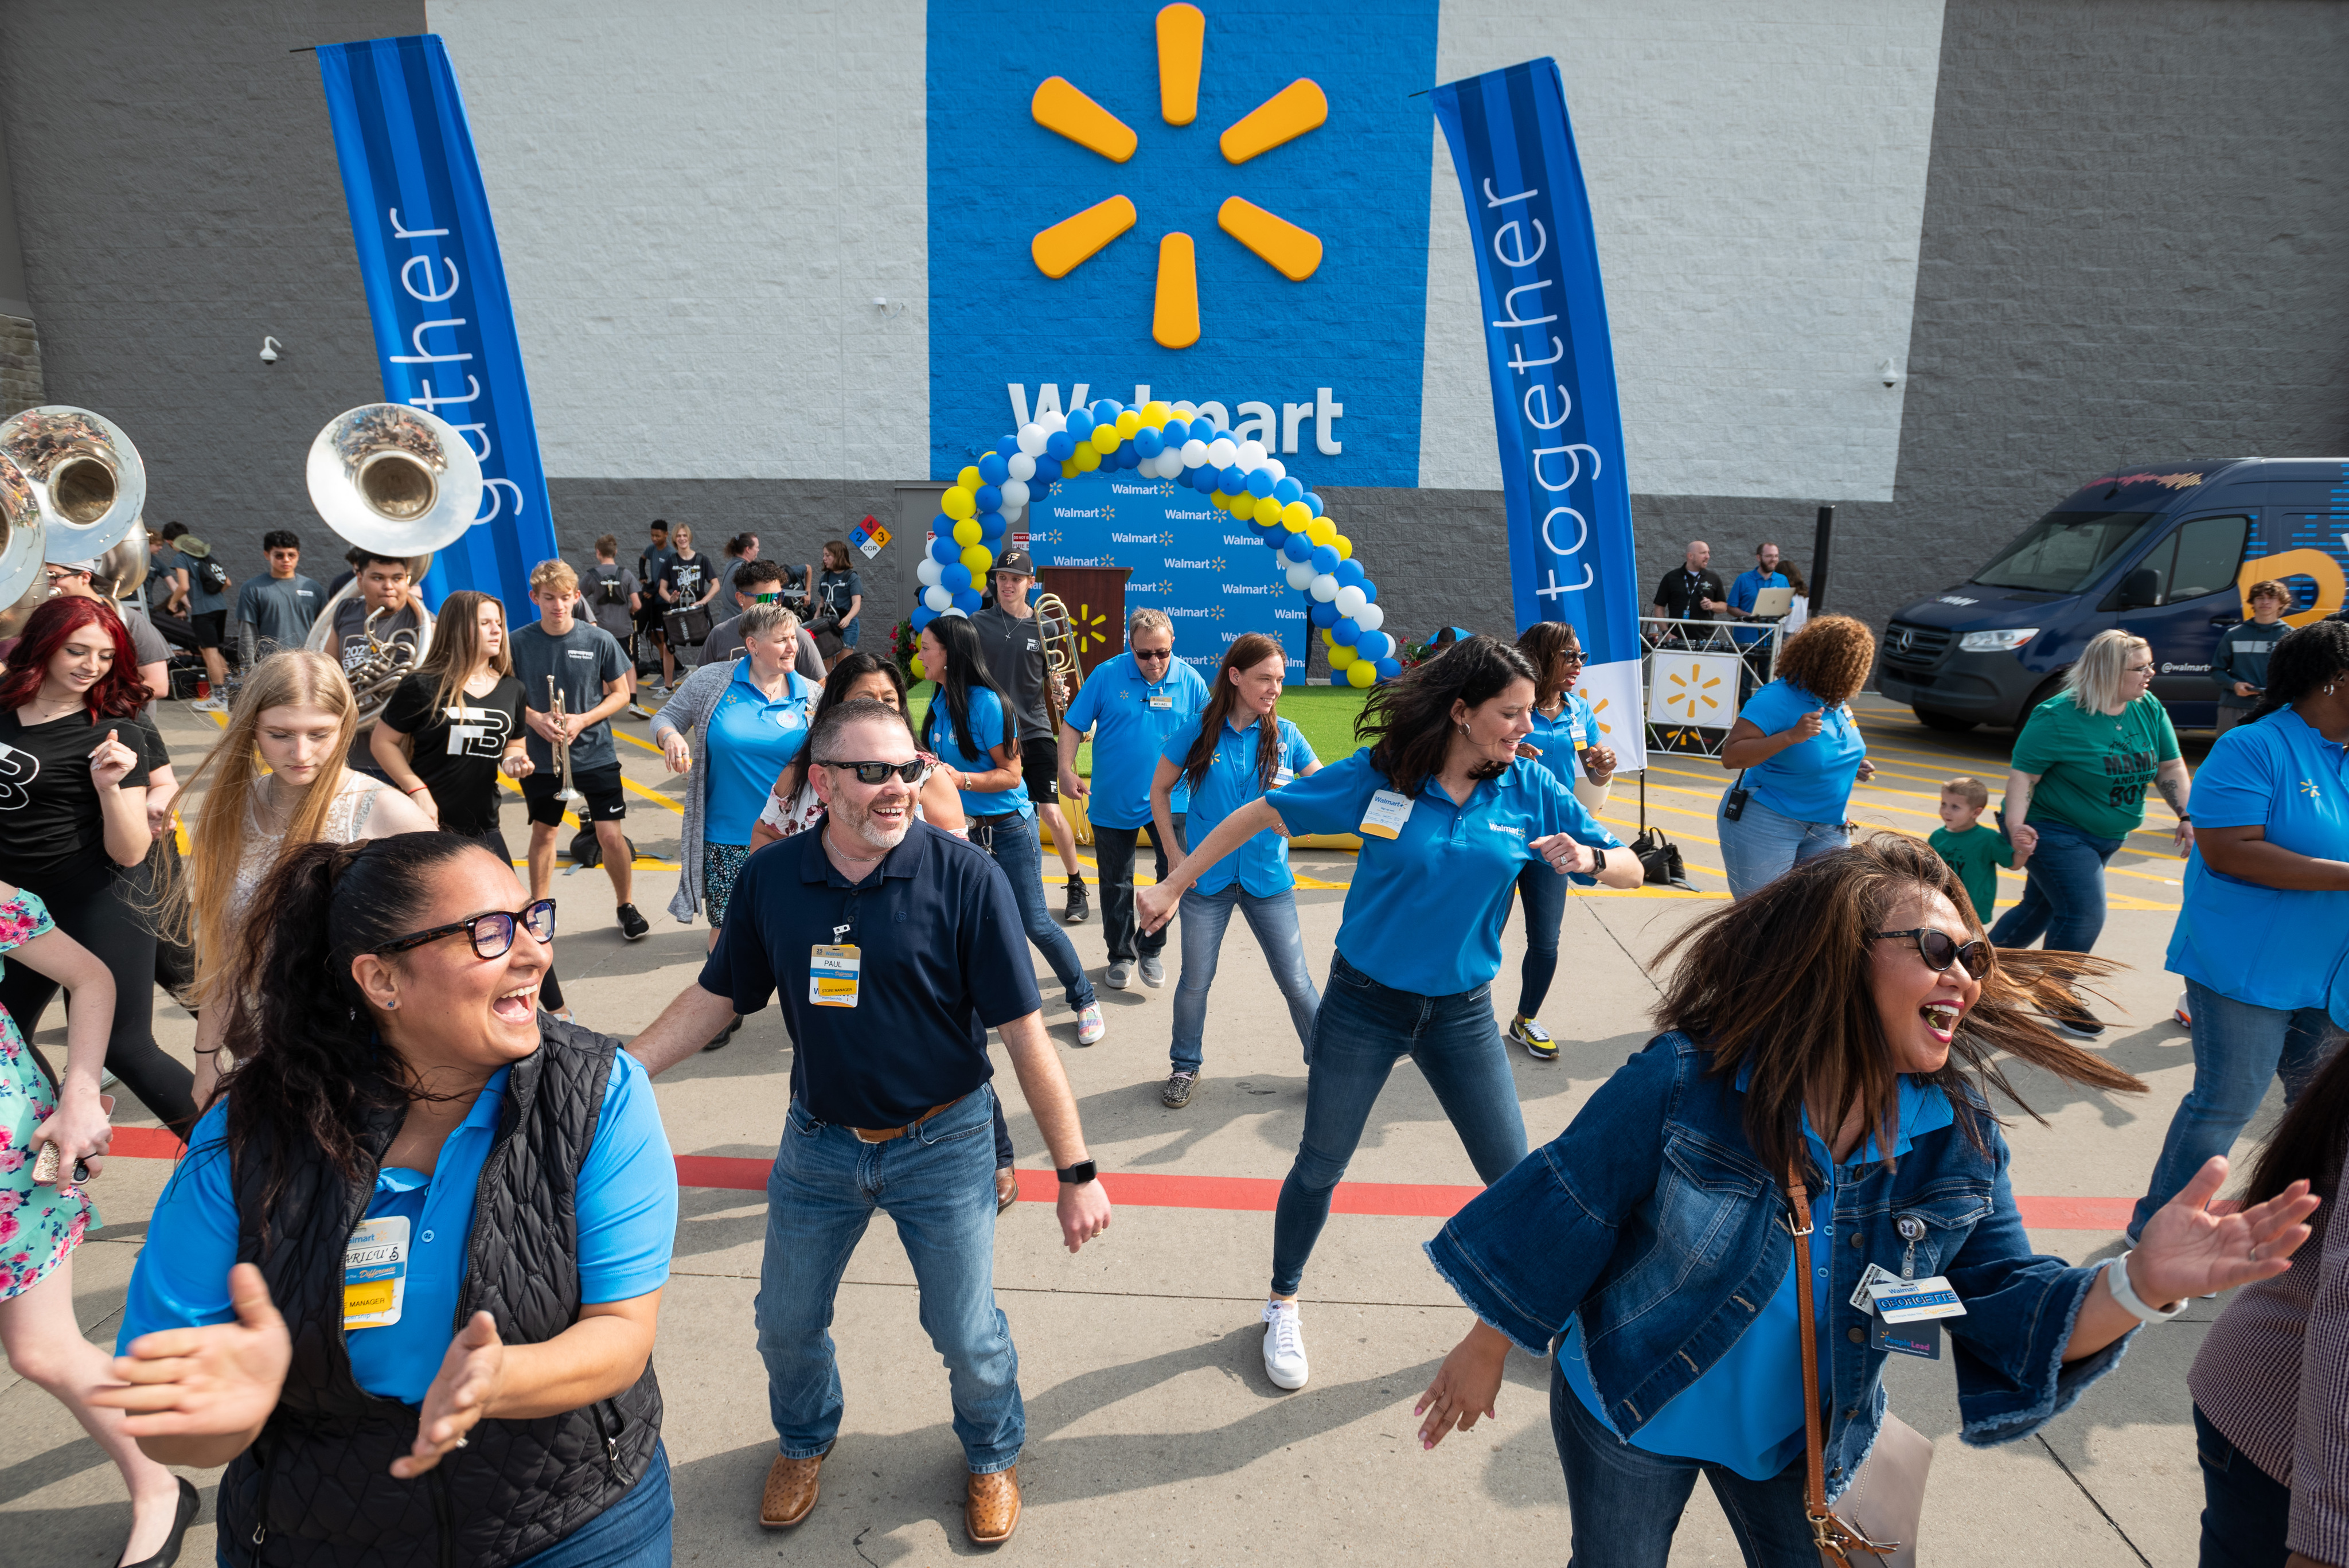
{"points": [[1821, 537]]}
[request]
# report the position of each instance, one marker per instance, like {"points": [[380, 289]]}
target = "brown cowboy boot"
{"points": [[991, 1510], [789, 1493]]}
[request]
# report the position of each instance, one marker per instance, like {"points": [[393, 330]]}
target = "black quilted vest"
{"points": [[317, 1488]]}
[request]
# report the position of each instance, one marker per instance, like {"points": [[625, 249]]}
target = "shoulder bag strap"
{"points": [[1838, 1542]]}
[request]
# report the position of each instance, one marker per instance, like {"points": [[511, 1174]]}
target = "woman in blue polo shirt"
{"points": [[968, 728], [1565, 740], [2265, 921], [490, 1315], [1797, 751], [1231, 754], [1448, 816]]}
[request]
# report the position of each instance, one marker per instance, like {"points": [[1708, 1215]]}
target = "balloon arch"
{"points": [[1163, 441]]}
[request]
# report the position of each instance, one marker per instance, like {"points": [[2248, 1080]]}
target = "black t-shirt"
{"points": [[52, 826], [455, 750], [687, 577], [1682, 589]]}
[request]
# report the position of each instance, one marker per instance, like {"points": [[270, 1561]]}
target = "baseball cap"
{"points": [[1018, 561], [88, 568]]}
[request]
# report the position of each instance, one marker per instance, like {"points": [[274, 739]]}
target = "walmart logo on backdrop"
{"points": [[1224, 203]]}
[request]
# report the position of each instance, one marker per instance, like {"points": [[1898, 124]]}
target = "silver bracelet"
{"points": [[2117, 1277]]}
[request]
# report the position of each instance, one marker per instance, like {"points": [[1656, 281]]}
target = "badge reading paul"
{"points": [[375, 1273], [833, 974], [1385, 815]]}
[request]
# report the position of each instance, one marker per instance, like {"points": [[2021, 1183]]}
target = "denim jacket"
{"points": [[1652, 1220]]}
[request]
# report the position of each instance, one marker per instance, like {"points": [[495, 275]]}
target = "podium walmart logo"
{"points": [[1293, 112]]}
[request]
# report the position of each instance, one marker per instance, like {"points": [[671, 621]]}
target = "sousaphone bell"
{"points": [[71, 489]]}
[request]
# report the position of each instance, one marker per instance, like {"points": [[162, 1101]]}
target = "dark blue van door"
{"points": [[2178, 597]]}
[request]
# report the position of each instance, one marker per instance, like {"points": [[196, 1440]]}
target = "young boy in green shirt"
{"points": [[1973, 851]]}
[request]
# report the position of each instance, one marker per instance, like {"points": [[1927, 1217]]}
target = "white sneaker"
{"points": [[2183, 1014], [208, 705], [1090, 1026], [1284, 1344]]}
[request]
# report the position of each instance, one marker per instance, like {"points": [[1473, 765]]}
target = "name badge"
{"points": [[1161, 700], [1283, 775], [375, 1273], [833, 974], [1581, 737], [1386, 815], [1915, 1301]]}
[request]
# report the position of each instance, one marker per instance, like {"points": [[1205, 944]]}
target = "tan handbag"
{"points": [[1876, 1524]]}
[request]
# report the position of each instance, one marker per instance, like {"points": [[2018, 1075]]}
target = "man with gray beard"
{"points": [[895, 948]]}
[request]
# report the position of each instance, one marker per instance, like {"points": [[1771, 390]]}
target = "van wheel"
{"points": [[1933, 719]]}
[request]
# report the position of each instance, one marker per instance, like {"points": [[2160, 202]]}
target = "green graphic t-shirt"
{"points": [[2094, 768]]}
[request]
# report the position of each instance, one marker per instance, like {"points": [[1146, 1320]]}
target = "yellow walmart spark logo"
{"points": [[1295, 109], [1690, 693], [2308, 787]]}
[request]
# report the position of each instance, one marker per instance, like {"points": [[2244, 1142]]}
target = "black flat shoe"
{"points": [[189, 1502], [725, 1034]]}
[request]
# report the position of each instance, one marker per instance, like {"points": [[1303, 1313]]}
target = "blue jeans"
{"points": [[2237, 1048], [1626, 1503], [633, 1532], [1362, 1030], [2246, 1512], [1011, 839], [1763, 845], [1543, 892], [1274, 921], [937, 1183], [2062, 892]]}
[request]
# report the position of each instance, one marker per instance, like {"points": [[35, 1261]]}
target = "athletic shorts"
{"points": [[210, 628], [605, 800], [1040, 764]]}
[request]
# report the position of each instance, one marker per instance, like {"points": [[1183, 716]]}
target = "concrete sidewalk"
{"points": [[1153, 1433]]}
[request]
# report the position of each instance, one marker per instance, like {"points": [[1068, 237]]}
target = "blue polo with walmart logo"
{"points": [[1131, 717], [1558, 739], [1234, 778], [2270, 947], [1425, 909], [751, 739]]}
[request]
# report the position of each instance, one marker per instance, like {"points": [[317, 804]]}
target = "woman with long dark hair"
{"points": [[74, 755], [409, 1145], [1236, 752], [1687, 1254], [1449, 815], [1565, 740], [2265, 921], [971, 730], [1797, 752], [792, 806]]}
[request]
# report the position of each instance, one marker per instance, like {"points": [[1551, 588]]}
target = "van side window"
{"points": [[2210, 549]]}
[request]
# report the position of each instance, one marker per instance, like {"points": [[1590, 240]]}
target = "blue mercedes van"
{"points": [[2162, 550]]}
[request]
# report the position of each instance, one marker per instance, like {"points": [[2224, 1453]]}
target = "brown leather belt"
{"points": [[884, 1135]]}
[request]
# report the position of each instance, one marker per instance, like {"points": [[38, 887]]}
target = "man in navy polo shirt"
{"points": [[1131, 703], [895, 948]]}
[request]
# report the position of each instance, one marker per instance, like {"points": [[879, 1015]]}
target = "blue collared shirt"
{"points": [[1425, 909], [1810, 781], [1745, 591], [988, 731], [751, 737], [2270, 947], [1234, 779], [627, 1209], [1131, 718], [1560, 738]]}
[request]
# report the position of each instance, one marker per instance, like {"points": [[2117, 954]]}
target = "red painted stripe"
{"points": [[1245, 1194]]}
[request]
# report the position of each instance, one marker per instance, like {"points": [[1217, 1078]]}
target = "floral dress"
{"points": [[38, 1225]]}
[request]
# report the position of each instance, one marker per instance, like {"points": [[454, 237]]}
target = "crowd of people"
{"points": [[405, 1281]]}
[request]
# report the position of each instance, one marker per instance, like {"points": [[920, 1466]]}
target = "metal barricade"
{"points": [[1697, 675]]}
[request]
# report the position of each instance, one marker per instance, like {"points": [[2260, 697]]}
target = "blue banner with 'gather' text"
{"points": [[1554, 402], [436, 292]]}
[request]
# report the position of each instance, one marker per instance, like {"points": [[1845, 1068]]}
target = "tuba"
{"points": [[1056, 631], [398, 481], [71, 489]]}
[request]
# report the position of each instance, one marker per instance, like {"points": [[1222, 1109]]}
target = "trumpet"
{"points": [[1056, 631], [567, 795]]}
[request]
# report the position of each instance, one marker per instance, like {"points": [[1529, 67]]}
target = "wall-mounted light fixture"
{"points": [[269, 351], [889, 308], [1888, 373]]}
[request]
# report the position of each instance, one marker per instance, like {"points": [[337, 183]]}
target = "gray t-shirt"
{"points": [[611, 604], [724, 645], [1015, 657], [581, 660], [280, 609], [146, 642]]}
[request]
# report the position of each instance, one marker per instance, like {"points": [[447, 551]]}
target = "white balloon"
{"points": [[1194, 452], [1301, 574], [1279, 469], [930, 571], [1053, 422], [1350, 600], [945, 613], [1251, 455], [1369, 618], [1012, 513], [1169, 463], [1032, 439], [1222, 450], [1023, 464], [1323, 586], [1015, 496], [938, 596]]}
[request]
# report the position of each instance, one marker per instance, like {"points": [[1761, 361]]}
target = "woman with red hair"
{"points": [[75, 754]]}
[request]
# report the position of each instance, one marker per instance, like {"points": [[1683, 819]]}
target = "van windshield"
{"points": [[2064, 551]]}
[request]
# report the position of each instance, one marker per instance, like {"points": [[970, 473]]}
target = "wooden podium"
{"points": [[1096, 600]]}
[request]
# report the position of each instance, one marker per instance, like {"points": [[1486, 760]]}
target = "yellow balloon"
{"points": [[1296, 516], [969, 479], [1155, 413], [1329, 638], [1268, 513], [1341, 655], [1362, 672], [967, 531], [959, 504], [978, 559], [1321, 531], [920, 674], [1087, 457], [1128, 423], [1105, 438], [1344, 546]]}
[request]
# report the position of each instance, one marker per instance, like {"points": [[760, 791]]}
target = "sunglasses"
{"points": [[1574, 657], [1154, 655], [1940, 949], [491, 934], [878, 773]]}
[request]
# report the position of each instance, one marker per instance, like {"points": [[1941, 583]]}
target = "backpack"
{"points": [[211, 577], [608, 588]]}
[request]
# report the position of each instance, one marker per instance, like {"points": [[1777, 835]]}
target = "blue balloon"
{"points": [[1060, 446], [1178, 431], [1230, 480], [1389, 667], [1277, 538], [1129, 456], [967, 600], [923, 617], [1370, 590], [1081, 424], [942, 546], [1313, 501], [1324, 557], [1348, 572], [993, 469], [1206, 481], [1322, 613], [1286, 491], [1346, 631], [990, 498], [1040, 486], [1106, 410], [954, 578], [991, 526], [1260, 483], [1377, 644], [1148, 442], [1297, 546]]}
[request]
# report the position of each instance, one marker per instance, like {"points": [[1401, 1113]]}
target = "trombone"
{"points": [[1056, 631], [568, 797]]}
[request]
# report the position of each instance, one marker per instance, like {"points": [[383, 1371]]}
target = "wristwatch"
{"points": [[1598, 862], [1078, 1174]]}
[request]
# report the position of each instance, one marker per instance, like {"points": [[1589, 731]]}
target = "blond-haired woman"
{"points": [[2075, 790], [688, 578], [1797, 752], [276, 780]]}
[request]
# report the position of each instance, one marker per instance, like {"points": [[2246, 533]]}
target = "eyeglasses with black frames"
{"points": [[1940, 949], [491, 934], [913, 771]]}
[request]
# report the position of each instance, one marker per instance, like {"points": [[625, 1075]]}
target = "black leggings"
{"points": [[100, 916], [493, 840]]}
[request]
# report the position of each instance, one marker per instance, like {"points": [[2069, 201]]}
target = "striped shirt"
{"points": [[2273, 1376]]}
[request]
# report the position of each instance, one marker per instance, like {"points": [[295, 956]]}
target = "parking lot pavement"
{"points": [[1153, 1433]]}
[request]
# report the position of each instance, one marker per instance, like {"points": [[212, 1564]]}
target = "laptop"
{"points": [[1769, 603]]}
